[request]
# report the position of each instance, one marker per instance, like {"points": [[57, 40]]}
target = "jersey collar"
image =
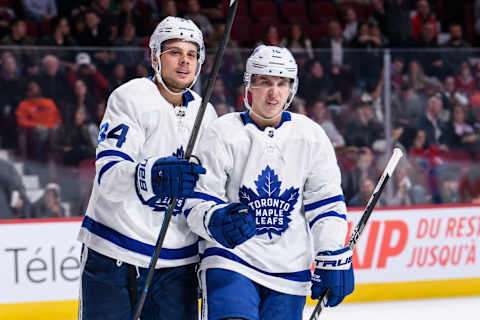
{"points": [[187, 95], [246, 119]]}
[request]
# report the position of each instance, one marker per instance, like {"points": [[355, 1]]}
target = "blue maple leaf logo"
{"points": [[272, 208], [180, 153], [160, 204]]}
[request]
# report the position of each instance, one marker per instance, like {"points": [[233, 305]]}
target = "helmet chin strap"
{"points": [[158, 76], [249, 107]]}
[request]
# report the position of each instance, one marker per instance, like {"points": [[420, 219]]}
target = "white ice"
{"points": [[431, 309]]}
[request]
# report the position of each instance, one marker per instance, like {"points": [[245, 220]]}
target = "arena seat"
{"points": [[322, 11], [293, 12], [264, 11]]}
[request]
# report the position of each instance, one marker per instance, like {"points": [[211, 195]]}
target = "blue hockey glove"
{"points": [[167, 177], [334, 271], [232, 225]]}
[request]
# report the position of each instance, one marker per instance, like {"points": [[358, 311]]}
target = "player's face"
{"points": [[179, 64], [269, 95]]}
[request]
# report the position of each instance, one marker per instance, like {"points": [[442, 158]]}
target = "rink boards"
{"points": [[404, 253]]}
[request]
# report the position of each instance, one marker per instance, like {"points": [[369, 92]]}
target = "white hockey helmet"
{"points": [[271, 61], [176, 28]]}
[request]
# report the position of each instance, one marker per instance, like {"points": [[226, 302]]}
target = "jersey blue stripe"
{"points": [[318, 204], [107, 153], [246, 119], [207, 197], [327, 214], [187, 212], [299, 276], [125, 242], [105, 168]]}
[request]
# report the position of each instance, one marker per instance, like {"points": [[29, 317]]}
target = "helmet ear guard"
{"points": [[271, 61], [175, 28]]}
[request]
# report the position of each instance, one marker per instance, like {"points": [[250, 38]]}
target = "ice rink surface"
{"points": [[434, 309]]}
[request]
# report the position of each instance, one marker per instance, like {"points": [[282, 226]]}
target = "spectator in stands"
{"points": [[456, 41], [80, 99], [202, 21], [93, 35], [369, 36], [18, 34], [451, 96], [6, 15], [221, 94], [397, 70], [14, 203], [432, 61], [86, 71], [422, 16], [12, 94], [466, 82], [398, 28], [141, 70], [458, 134], [456, 37], [335, 42], [212, 8], [40, 10], [378, 14], [52, 80], [169, 8], [430, 121], [402, 185], [351, 24], [128, 14], [37, 117], [298, 43], [97, 118], [364, 169], [233, 64], [363, 129], [320, 115], [119, 76], [415, 76], [128, 38], [49, 205], [449, 188], [298, 106], [270, 37], [470, 185], [102, 9], [73, 140], [222, 108], [60, 35], [407, 106], [360, 199], [428, 37]]}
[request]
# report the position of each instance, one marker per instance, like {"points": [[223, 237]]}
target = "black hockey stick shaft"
{"points": [[191, 143], [386, 175]]}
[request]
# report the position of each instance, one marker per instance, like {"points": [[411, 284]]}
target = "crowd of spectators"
{"points": [[55, 84]]}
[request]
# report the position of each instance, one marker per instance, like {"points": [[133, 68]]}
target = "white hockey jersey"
{"points": [[290, 177], [139, 123]]}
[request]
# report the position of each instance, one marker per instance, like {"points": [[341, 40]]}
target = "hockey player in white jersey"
{"points": [[270, 204], [143, 135]]}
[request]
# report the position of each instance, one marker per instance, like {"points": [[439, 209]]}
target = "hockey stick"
{"points": [[387, 173], [191, 143]]}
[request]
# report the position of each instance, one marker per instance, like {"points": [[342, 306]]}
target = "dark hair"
{"points": [[56, 22], [290, 39]]}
